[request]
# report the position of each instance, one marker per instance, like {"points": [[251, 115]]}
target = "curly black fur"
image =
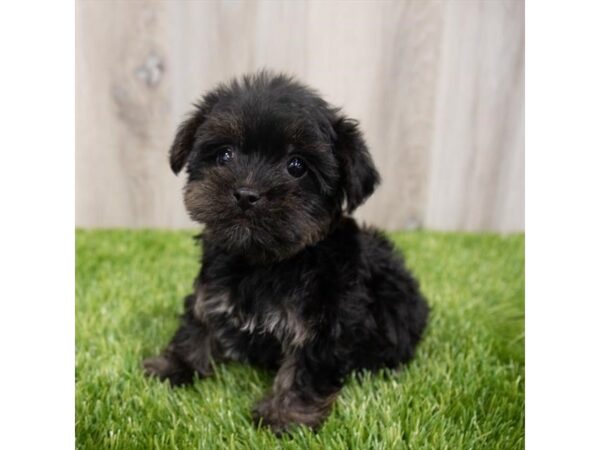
{"points": [[288, 281]]}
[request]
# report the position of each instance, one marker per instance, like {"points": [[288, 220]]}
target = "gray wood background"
{"points": [[437, 85]]}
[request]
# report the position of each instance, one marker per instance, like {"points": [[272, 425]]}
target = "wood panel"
{"points": [[476, 177], [437, 86], [123, 113]]}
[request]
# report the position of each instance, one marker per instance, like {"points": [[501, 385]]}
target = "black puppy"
{"points": [[288, 280]]}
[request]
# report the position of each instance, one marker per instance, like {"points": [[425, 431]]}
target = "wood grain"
{"points": [[476, 177], [437, 86]]}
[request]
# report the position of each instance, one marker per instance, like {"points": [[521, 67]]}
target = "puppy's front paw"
{"points": [[267, 413], [165, 368], [156, 366], [283, 413]]}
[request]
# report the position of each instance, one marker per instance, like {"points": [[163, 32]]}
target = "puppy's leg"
{"points": [[188, 352], [301, 395]]}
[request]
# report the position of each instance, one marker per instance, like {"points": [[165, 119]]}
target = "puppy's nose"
{"points": [[246, 197]]}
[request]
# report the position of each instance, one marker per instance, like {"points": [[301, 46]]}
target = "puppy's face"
{"points": [[270, 165]]}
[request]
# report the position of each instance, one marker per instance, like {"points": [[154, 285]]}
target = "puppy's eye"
{"points": [[224, 155], [296, 167]]}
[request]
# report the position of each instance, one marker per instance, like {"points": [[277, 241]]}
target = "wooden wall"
{"points": [[437, 85]]}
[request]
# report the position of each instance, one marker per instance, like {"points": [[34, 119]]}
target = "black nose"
{"points": [[246, 197]]}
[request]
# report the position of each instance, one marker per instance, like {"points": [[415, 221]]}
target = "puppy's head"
{"points": [[271, 166]]}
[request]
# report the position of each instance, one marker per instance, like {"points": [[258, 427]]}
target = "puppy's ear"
{"points": [[186, 133], [184, 141], [359, 175]]}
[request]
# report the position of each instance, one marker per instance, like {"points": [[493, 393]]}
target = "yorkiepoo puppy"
{"points": [[288, 280]]}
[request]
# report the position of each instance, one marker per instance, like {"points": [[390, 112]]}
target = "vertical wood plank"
{"points": [[476, 176], [122, 106]]}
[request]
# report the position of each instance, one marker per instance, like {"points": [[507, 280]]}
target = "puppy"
{"points": [[288, 280]]}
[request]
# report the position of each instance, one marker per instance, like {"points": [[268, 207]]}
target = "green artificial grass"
{"points": [[464, 390]]}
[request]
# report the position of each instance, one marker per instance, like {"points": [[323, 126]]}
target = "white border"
{"points": [[36, 239], [562, 224]]}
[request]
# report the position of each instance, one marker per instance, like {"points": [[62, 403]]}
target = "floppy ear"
{"points": [[184, 141], [359, 175], [186, 133]]}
